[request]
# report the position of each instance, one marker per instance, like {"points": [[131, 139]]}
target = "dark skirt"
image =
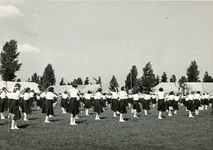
{"points": [[9, 103], [130, 100], [169, 103], [196, 104], [161, 105], [103, 102], [153, 100], [202, 102], [206, 101], [31, 101], [42, 102], [122, 106], [3, 105], [14, 109], [114, 105], [190, 105], [48, 107], [38, 103], [136, 106], [109, 100], [87, 104], [175, 105], [146, 104], [73, 106], [26, 107], [98, 106], [64, 103]]}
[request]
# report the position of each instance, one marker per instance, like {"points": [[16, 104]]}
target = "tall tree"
{"points": [[48, 77], [164, 77], [9, 61], [131, 78], [192, 72], [157, 80], [173, 78], [86, 82], [35, 78], [113, 84], [79, 81], [207, 77], [148, 78]]}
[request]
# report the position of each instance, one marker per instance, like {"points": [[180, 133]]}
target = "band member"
{"points": [[97, 104], [122, 103], [73, 106], [14, 106], [3, 101], [48, 105], [160, 99]]}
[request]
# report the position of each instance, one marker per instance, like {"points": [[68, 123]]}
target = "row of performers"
{"points": [[118, 100]]}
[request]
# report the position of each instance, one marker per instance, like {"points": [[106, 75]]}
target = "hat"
{"points": [[160, 89]]}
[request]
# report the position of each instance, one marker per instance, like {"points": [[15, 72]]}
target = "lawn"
{"points": [[144, 132]]}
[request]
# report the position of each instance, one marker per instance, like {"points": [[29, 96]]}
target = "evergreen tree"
{"points": [[148, 78], [173, 78], [192, 72], [79, 81], [113, 84], [207, 77], [48, 77], [35, 78], [164, 77], [131, 78], [157, 80], [86, 82], [9, 61]]}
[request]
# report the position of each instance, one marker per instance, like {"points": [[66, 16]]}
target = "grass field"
{"points": [[142, 133]]}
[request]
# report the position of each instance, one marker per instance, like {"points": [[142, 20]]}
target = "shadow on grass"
{"points": [[80, 121], [2, 124], [92, 113], [127, 119], [23, 126], [103, 117], [33, 118], [54, 120]]}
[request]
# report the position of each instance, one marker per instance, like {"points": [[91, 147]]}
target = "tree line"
{"points": [[10, 65]]}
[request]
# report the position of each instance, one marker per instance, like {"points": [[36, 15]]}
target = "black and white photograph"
{"points": [[106, 75]]}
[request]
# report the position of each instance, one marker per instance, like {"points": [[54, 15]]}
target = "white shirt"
{"points": [[197, 96], [9, 95], [50, 96], [147, 96], [122, 95], [31, 94], [160, 95], [171, 97], [98, 95], [16, 95], [87, 96], [3, 95], [73, 93], [26, 96], [177, 98], [190, 97], [114, 95], [135, 97], [65, 96]]}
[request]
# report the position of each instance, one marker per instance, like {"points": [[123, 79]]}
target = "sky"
{"points": [[106, 38]]}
